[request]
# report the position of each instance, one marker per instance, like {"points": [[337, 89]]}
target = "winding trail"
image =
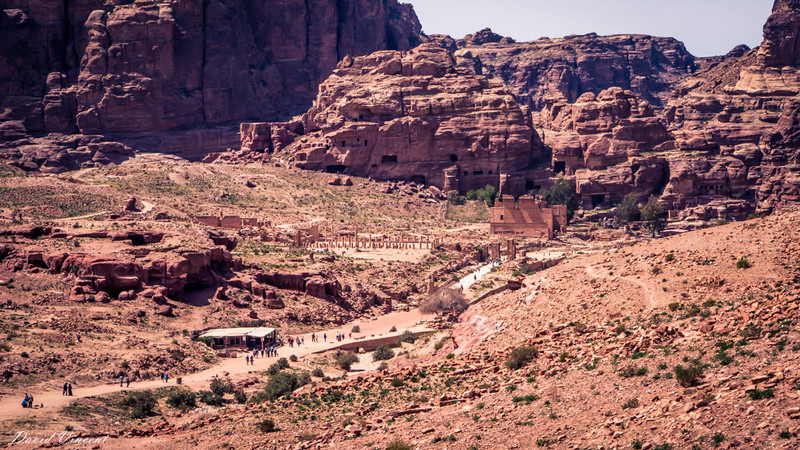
{"points": [[236, 368], [651, 298]]}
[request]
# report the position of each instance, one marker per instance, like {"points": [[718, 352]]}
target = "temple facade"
{"points": [[531, 217]]}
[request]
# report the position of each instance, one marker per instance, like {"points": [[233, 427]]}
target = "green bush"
{"points": [[396, 382], [520, 357], [757, 394], [221, 386], [283, 363], [743, 263], [293, 358], [408, 336], [141, 404], [211, 398], [318, 372], [280, 384], [266, 426], [399, 445], [345, 360], [182, 399], [688, 376], [628, 211], [456, 199], [240, 396], [382, 353], [356, 329]]}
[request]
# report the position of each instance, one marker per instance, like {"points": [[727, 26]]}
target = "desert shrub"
{"points": [[182, 399], [383, 353], [669, 257], [266, 426], [396, 382], [209, 341], [688, 376], [743, 263], [273, 369], [520, 357], [293, 358], [356, 329], [408, 336], [141, 404], [283, 363], [211, 398], [393, 329], [757, 394], [282, 383], [444, 300], [318, 372], [440, 343], [632, 403], [221, 386], [240, 396], [456, 199], [345, 360], [399, 445]]}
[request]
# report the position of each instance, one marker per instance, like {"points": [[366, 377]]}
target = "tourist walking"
{"points": [[69, 389], [166, 377], [64, 389], [127, 383], [121, 380]]}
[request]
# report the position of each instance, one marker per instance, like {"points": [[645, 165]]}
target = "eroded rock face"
{"points": [[136, 70], [415, 116], [739, 124], [575, 65]]}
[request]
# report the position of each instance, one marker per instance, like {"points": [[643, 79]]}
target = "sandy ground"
{"points": [[236, 368]]}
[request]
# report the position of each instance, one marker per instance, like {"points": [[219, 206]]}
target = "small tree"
{"points": [[654, 216], [520, 357], [345, 360], [221, 386], [489, 194], [628, 211], [382, 353], [562, 193]]}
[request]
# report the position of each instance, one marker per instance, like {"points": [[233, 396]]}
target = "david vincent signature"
{"points": [[64, 437]]}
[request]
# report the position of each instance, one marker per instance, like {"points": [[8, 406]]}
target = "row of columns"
{"points": [[371, 242]]}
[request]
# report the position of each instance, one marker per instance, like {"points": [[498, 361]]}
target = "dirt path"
{"points": [[236, 368], [472, 278], [651, 298]]}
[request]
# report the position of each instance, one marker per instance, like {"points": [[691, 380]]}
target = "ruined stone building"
{"points": [[531, 217]]}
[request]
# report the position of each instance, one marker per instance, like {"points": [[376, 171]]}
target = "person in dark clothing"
{"points": [[64, 389], [69, 389]]}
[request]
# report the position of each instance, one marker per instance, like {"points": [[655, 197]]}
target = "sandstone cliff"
{"points": [[144, 72], [417, 116], [575, 65]]}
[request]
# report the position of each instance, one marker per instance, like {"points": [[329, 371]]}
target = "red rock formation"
{"points": [[415, 116], [137, 69], [737, 124], [575, 65]]}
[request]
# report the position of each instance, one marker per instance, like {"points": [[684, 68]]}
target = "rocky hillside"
{"points": [[162, 75], [574, 65]]}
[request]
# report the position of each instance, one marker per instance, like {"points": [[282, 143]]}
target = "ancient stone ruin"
{"points": [[530, 217]]}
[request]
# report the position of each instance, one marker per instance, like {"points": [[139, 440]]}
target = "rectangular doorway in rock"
{"points": [[335, 169], [559, 167], [389, 159], [598, 199]]}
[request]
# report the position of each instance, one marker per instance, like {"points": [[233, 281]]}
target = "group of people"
{"points": [[296, 340], [27, 402], [165, 377], [66, 389], [127, 381], [270, 352]]}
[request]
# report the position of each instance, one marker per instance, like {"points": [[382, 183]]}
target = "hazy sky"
{"points": [[707, 27]]}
